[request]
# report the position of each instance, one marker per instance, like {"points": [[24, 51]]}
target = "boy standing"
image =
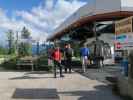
{"points": [[57, 61], [68, 58]]}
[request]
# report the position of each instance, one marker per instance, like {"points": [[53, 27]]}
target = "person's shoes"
{"points": [[61, 75], [55, 77]]}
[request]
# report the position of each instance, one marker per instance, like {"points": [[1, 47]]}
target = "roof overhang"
{"points": [[103, 10]]}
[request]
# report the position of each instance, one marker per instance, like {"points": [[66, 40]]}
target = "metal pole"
{"points": [[38, 47], [17, 43], [94, 30], [95, 35], [97, 61]]}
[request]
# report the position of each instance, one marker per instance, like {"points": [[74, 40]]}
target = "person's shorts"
{"points": [[85, 57]]}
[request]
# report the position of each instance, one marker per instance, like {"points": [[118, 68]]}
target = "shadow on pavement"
{"points": [[101, 92], [38, 72], [30, 75], [94, 74], [27, 77]]}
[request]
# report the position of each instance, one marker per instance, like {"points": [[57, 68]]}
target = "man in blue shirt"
{"points": [[84, 52]]}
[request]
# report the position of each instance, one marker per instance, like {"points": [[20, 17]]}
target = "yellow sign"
{"points": [[124, 26]]}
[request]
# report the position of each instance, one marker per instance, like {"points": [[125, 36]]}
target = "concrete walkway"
{"points": [[42, 86]]}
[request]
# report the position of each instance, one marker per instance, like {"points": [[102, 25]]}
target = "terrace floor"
{"points": [[42, 86]]}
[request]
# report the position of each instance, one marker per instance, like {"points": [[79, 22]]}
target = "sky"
{"points": [[40, 17]]}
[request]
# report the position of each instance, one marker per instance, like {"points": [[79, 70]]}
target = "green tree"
{"points": [[25, 46], [11, 45], [3, 50], [25, 33]]}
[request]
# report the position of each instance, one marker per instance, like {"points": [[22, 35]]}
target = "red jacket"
{"points": [[56, 55]]}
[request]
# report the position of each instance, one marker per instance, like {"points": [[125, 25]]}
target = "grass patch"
{"points": [[10, 64], [40, 65]]}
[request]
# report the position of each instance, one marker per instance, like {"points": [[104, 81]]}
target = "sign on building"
{"points": [[124, 34]]}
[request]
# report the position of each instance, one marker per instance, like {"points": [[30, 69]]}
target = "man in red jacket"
{"points": [[57, 61]]}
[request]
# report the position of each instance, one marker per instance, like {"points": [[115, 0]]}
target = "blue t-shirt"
{"points": [[84, 51]]}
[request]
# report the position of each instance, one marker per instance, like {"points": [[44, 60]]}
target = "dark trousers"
{"points": [[57, 64], [68, 65]]}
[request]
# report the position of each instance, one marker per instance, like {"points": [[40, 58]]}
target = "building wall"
{"points": [[95, 7]]}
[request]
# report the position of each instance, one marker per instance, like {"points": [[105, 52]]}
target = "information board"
{"points": [[124, 34]]}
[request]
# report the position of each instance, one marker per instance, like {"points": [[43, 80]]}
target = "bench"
{"points": [[25, 63]]}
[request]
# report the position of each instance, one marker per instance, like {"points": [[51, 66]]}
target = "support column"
{"points": [[97, 61]]}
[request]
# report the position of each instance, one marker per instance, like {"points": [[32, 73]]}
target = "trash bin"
{"points": [[125, 66]]}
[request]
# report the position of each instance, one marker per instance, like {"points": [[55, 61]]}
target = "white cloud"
{"points": [[41, 20], [127, 3], [49, 4]]}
